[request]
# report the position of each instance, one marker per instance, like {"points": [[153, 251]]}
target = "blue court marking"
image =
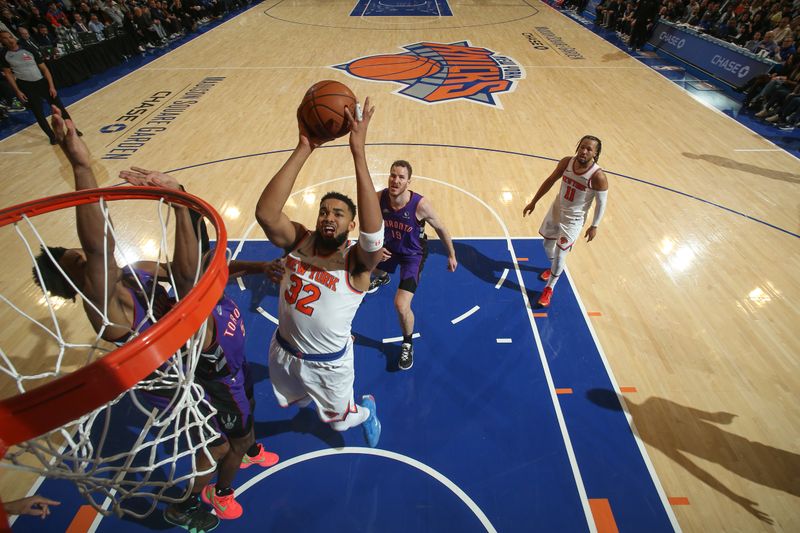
{"points": [[525, 3], [402, 8], [475, 412], [506, 152]]}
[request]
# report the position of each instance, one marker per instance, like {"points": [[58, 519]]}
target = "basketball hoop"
{"points": [[55, 421]]}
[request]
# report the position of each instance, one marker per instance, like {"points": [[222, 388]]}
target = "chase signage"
{"points": [[724, 61]]}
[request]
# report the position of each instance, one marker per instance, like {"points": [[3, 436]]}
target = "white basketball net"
{"points": [[128, 448]]}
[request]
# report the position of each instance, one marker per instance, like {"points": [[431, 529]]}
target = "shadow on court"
{"points": [[488, 269], [732, 164], [755, 461], [305, 421]]}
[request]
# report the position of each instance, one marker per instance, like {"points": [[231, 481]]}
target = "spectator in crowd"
{"points": [[25, 40], [115, 15], [37, 19], [55, 16], [10, 20], [43, 38], [79, 25], [97, 27], [768, 47], [786, 49]]}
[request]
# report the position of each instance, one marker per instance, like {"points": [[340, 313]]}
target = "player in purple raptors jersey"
{"points": [[582, 181], [405, 244], [224, 374]]}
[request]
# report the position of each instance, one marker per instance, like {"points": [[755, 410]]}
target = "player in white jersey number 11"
{"points": [[582, 181]]}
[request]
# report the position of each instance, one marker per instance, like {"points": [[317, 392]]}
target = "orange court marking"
{"points": [[83, 520], [594, 313], [564, 391], [628, 389], [678, 500], [521, 259], [539, 315], [603, 517]]}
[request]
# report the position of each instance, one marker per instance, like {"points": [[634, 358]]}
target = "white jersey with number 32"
{"points": [[317, 303]]}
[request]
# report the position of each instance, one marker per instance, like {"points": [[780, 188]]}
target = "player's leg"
{"points": [[234, 417], [410, 272], [256, 454], [190, 513], [402, 304], [564, 245], [549, 250], [35, 93], [550, 231], [330, 384]]}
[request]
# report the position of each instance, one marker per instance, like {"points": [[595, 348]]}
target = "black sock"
{"points": [[224, 491], [407, 339], [253, 450], [191, 502]]}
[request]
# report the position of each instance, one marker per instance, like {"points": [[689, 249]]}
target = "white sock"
{"points": [[557, 267], [352, 420], [550, 249]]}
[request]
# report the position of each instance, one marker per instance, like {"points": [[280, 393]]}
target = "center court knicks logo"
{"points": [[436, 72]]}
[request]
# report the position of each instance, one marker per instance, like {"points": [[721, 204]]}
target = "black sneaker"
{"points": [[195, 519], [377, 283], [406, 356]]}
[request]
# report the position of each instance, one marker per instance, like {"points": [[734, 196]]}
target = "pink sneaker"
{"points": [[264, 459], [225, 507]]}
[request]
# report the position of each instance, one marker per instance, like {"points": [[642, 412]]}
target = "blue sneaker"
{"points": [[372, 426]]}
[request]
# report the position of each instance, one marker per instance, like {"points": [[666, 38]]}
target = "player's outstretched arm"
{"points": [[370, 220], [32, 505], [186, 255], [547, 185], [279, 229], [90, 221], [425, 212]]}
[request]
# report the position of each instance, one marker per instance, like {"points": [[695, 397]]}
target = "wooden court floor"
{"points": [[693, 277]]}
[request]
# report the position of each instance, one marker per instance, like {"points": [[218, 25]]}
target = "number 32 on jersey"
{"points": [[310, 294]]}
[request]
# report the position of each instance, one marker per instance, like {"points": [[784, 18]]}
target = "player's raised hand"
{"points": [[66, 136], [306, 137], [153, 178], [359, 123]]}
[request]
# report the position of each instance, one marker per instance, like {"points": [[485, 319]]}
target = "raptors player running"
{"points": [[311, 353], [582, 180]]}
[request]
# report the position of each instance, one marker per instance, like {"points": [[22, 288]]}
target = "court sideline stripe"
{"points": [[639, 443]]}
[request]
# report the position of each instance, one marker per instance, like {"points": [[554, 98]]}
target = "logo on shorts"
{"points": [[563, 240], [229, 421], [433, 73]]}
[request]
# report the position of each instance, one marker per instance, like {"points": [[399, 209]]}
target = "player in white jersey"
{"points": [[324, 280], [582, 181]]}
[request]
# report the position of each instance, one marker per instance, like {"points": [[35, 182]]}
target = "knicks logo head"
{"points": [[435, 72]]}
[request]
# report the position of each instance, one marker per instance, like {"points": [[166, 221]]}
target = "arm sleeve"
{"points": [[600, 208]]}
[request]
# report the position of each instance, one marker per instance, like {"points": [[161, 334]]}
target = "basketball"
{"points": [[322, 109], [394, 67]]}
